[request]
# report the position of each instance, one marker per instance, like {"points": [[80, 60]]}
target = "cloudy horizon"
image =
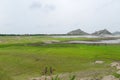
{"points": [[58, 16]]}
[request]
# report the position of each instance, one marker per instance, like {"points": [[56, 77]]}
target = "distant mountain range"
{"points": [[73, 32], [97, 33], [77, 32], [102, 32]]}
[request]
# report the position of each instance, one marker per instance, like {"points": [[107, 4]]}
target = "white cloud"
{"points": [[58, 16]]}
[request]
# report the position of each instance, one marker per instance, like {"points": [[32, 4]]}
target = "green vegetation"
{"points": [[4, 75], [21, 58], [116, 75], [40, 39], [57, 78]]}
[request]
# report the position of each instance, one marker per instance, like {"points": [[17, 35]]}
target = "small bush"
{"points": [[56, 78], [116, 75], [73, 77]]}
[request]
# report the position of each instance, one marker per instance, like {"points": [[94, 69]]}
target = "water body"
{"points": [[117, 41], [85, 36]]}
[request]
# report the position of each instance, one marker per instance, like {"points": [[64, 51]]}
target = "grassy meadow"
{"points": [[23, 57]]}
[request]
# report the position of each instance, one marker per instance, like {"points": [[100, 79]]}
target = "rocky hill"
{"points": [[102, 32], [77, 32]]}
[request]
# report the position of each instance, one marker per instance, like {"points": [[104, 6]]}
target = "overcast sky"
{"points": [[58, 16]]}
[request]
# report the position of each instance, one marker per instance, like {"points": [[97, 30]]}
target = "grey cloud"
{"points": [[50, 7], [43, 7], [36, 5]]}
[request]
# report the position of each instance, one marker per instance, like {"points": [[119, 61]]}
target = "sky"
{"points": [[58, 16]]}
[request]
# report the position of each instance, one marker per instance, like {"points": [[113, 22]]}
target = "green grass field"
{"points": [[21, 58]]}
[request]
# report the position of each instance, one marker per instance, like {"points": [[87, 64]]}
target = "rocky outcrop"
{"points": [[77, 32], [102, 32]]}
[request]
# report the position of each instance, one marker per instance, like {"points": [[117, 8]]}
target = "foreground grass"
{"points": [[4, 75], [23, 60]]}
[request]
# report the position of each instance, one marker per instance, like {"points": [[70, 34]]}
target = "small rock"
{"points": [[109, 77], [118, 67], [42, 78], [99, 62], [114, 64], [51, 41], [48, 42], [85, 78], [35, 79], [118, 72]]}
